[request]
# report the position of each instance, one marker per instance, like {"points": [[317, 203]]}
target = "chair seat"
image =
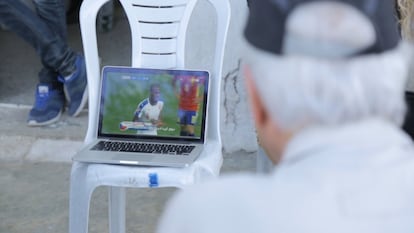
{"points": [[85, 177], [133, 176]]}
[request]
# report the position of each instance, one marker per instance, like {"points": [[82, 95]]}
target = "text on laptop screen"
{"points": [[153, 103]]}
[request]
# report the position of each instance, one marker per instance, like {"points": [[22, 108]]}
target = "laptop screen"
{"points": [[153, 103]]}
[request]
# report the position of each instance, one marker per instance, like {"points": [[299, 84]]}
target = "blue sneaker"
{"points": [[49, 103], [75, 87]]}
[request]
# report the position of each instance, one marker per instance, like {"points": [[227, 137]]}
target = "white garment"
{"points": [[148, 113], [354, 179]]}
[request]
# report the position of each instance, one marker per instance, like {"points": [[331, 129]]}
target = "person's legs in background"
{"points": [[45, 30], [71, 69]]}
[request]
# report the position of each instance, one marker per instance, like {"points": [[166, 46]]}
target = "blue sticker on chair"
{"points": [[153, 179]]}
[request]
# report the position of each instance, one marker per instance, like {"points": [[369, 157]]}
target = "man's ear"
{"points": [[256, 104], [271, 137]]}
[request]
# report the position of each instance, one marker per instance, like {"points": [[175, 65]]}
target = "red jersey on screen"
{"points": [[189, 92]]}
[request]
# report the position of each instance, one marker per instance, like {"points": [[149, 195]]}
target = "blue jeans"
{"points": [[45, 30]]}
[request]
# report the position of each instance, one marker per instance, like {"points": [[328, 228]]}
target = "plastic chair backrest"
{"points": [[162, 28]]}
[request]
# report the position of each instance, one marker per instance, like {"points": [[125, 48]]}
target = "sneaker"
{"points": [[75, 87], [49, 103]]}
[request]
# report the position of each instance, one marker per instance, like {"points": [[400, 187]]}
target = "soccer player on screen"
{"points": [[188, 91], [149, 111]]}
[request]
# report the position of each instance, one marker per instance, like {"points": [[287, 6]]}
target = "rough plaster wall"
{"points": [[238, 131], [236, 121]]}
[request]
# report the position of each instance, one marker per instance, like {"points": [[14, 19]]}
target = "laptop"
{"points": [[149, 117]]}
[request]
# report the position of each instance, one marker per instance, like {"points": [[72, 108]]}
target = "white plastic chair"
{"points": [[158, 32]]}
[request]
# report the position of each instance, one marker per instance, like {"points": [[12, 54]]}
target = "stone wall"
{"points": [[236, 121]]}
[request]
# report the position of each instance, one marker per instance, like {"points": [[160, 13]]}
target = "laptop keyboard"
{"points": [[144, 147]]}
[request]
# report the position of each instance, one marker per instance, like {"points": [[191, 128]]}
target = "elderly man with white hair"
{"points": [[326, 84]]}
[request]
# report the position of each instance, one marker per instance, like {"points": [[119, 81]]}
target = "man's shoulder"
{"points": [[226, 186], [143, 103]]}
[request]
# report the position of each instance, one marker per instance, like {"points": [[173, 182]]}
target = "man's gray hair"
{"points": [[301, 91]]}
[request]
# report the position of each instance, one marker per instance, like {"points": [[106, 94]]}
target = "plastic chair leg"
{"points": [[116, 209], [81, 191]]}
